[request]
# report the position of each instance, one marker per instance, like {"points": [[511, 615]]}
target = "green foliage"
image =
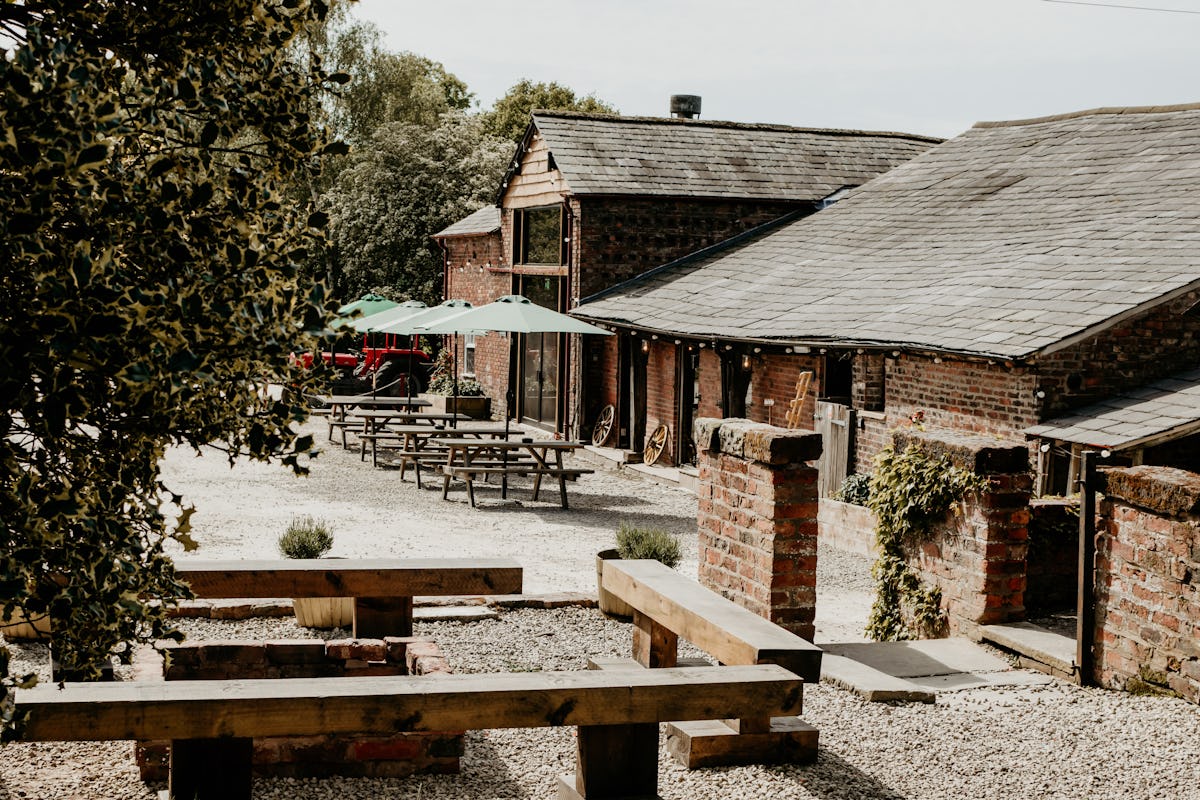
{"points": [[509, 117], [1053, 528], [387, 87], [655, 543], [909, 493], [411, 182], [148, 289], [441, 380], [306, 537], [855, 489]]}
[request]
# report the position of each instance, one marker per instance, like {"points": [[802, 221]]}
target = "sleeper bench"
{"points": [[382, 589], [669, 606], [212, 723]]}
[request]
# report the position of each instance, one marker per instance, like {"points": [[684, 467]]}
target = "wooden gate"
{"points": [[835, 423]]}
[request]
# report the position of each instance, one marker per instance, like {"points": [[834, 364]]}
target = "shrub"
{"points": [[655, 543], [856, 489], [306, 537], [442, 379]]}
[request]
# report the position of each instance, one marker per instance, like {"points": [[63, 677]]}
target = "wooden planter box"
{"points": [[473, 407]]}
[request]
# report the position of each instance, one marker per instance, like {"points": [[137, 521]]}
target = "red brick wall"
{"points": [[353, 755], [1147, 568], [618, 238], [660, 395], [977, 555], [774, 377], [466, 281], [757, 519], [1161, 342]]}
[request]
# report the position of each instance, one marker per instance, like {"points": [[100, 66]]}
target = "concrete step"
{"points": [[869, 683], [1036, 647]]}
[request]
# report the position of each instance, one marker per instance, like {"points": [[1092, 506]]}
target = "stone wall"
{"points": [[976, 556], [354, 755], [1148, 580], [757, 518]]}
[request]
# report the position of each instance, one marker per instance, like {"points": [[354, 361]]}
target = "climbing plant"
{"points": [[910, 491]]}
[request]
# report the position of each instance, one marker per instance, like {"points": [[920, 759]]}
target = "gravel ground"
{"points": [[1057, 741]]}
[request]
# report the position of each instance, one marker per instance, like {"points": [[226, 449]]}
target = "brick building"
{"points": [[593, 200], [1011, 278]]}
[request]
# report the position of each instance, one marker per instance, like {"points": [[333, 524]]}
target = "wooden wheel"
{"points": [[655, 445], [604, 425]]}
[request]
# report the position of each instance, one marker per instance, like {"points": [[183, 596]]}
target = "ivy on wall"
{"points": [[910, 491]]}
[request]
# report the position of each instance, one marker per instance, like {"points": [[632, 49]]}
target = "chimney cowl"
{"points": [[685, 106]]}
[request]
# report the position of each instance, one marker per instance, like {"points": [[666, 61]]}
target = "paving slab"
{"points": [[921, 658], [978, 680], [869, 683]]}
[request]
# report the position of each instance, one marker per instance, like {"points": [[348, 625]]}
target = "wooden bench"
{"points": [[668, 606], [467, 475], [382, 589], [211, 724]]}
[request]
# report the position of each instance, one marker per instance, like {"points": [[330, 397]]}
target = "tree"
{"points": [[408, 183], [387, 87], [148, 289], [509, 117]]}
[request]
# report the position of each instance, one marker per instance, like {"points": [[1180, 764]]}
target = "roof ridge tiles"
{"points": [[1090, 112], [746, 126]]}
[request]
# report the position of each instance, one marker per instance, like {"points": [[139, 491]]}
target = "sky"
{"points": [[931, 67]]}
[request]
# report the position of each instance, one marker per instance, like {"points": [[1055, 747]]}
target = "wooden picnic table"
{"points": [[340, 404], [420, 443], [468, 458]]}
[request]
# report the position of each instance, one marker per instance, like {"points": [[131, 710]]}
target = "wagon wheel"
{"points": [[604, 425], [655, 445]]}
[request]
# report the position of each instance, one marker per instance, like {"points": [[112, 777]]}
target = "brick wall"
{"points": [[621, 237], [1148, 580], [397, 755], [1158, 343], [660, 395], [977, 555], [476, 271], [757, 518], [774, 377]]}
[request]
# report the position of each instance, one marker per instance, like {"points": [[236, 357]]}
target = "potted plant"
{"points": [[446, 395], [309, 537], [635, 542]]}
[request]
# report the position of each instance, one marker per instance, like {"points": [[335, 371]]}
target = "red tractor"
{"points": [[386, 365]]}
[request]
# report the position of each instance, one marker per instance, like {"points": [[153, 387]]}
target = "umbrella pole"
{"points": [[508, 402], [408, 377], [454, 378]]}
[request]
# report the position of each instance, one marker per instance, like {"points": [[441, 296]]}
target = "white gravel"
{"points": [[1057, 741]]}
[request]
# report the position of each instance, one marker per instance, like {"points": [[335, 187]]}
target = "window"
{"points": [[468, 355], [537, 236]]}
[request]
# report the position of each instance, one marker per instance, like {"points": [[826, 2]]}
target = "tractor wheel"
{"points": [[393, 380]]}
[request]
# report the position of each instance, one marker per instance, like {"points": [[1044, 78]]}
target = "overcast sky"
{"points": [[921, 66]]}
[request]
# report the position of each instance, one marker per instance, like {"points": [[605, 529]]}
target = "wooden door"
{"points": [[835, 423]]}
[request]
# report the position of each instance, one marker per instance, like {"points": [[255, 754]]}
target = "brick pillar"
{"points": [[1147, 569], [757, 518], [977, 554]]}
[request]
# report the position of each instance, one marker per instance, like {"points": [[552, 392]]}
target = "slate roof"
{"points": [[1010, 240], [485, 220], [656, 156], [1165, 409]]}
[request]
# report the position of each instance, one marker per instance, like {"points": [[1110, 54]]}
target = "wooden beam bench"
{"points": [[382, 589], [668, 606], [212, 723]]}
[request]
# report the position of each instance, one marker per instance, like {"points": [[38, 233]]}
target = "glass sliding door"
{"points": [[540, 357]]}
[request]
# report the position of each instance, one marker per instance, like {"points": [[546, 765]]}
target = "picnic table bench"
{"points": [[469, 458], [416, 441], [668, 606], [339, 405], [211, 724], [383, 589]]}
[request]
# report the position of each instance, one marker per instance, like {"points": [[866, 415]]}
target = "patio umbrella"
{"points": [[366, 305], [512, 314], [408, 326], [397, 311]]}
